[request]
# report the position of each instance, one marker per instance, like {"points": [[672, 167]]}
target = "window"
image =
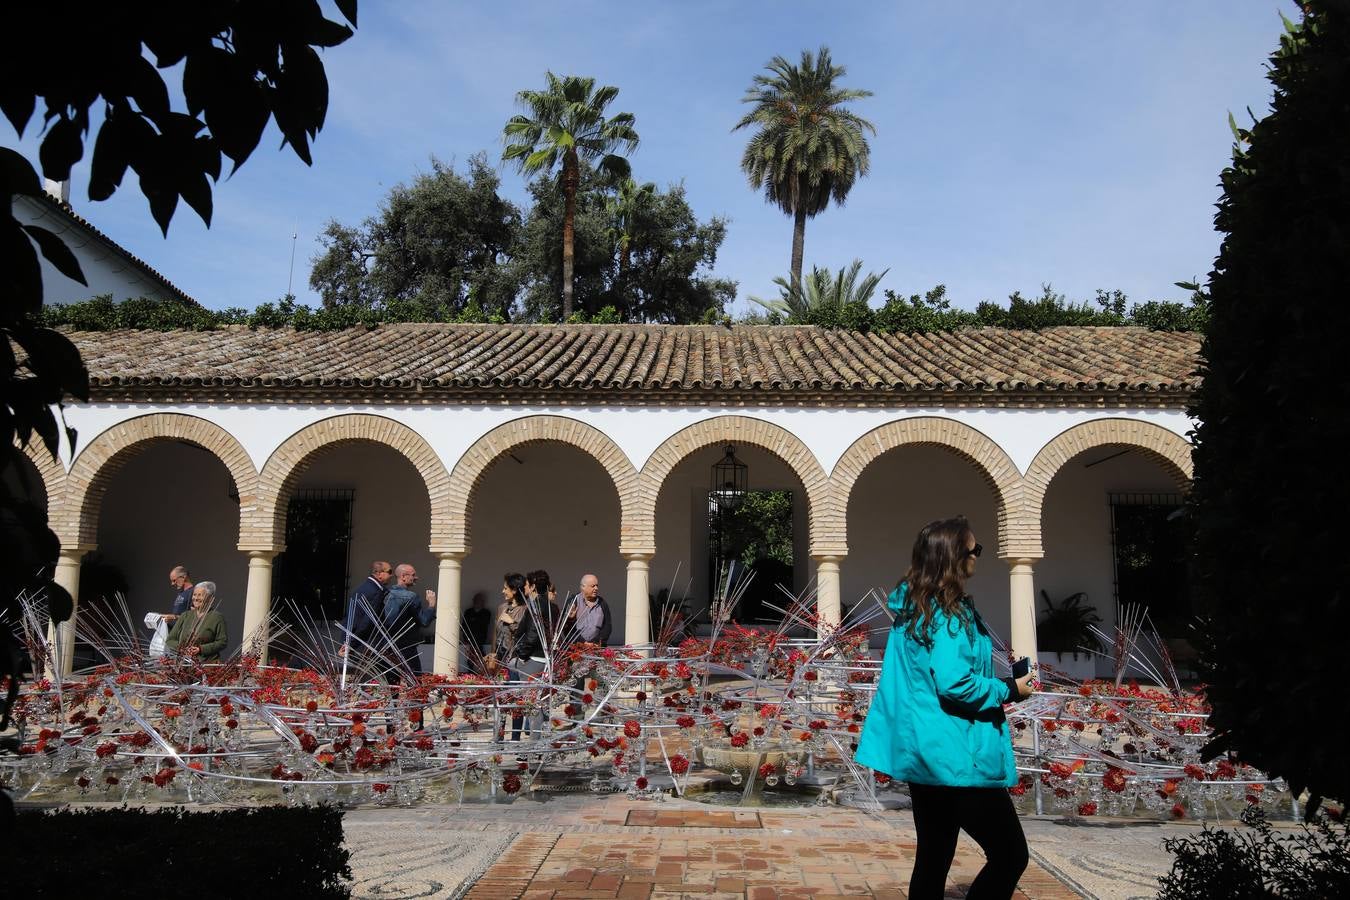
{"points": [[1148, 538], [313, 570]]}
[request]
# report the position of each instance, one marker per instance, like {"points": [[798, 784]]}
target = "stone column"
{"points": [[62, 638], [1022, 599], [447, 614], [828, 605], [258, 603], [637, 607]]}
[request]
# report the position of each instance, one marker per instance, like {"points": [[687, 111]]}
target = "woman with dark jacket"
{"points": [[937, 719]]}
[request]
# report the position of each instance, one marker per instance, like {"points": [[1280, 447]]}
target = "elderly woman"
{"points": [[199, 632]]}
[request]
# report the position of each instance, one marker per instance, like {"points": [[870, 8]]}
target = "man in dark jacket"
{"points": [[406, 614], [366, 605], [589, 613]]}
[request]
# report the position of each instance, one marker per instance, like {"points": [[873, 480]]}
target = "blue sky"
{"points": [[1062, 141]]}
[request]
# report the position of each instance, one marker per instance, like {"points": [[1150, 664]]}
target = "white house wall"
{"points": [[638, 431]]}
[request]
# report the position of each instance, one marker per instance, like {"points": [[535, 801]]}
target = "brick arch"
{"points": [[49, 471], [1168, 448], [476, 461], [738, 430], [267, 529], [989, 459], [76, 522]]}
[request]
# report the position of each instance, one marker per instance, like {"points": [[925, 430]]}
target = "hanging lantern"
{"points": [[730, 481]]}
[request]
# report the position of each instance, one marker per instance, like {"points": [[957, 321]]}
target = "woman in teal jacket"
{"points": [[937, 719]]}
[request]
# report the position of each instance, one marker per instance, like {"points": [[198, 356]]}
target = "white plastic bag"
{"points": [[156, 621]]}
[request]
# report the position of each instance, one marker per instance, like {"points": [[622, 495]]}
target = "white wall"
{"points": [[899, 493], [546, 506], [106, 270], [636, 430], [1077, 524]]}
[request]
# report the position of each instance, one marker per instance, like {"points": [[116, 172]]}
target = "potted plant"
{"points": [[1065, 629]]}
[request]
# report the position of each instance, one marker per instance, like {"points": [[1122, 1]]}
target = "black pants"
{"points": [[987, 815]]}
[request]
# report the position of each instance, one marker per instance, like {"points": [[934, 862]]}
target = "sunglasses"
{"points": [[975, 551]]}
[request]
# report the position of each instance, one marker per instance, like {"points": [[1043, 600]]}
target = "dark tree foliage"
{"points": [[441, 240], [1270, 489], [244, 63]]}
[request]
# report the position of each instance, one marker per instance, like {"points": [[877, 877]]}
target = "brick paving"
{"points": [[622, 848]]}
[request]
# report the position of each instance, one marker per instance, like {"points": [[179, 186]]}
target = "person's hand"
{"points": [[1023, 684], [431, 599], [168, 617], [342, 651], [192, 651]]}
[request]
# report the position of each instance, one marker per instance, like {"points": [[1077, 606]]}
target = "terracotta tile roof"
{"points": [[625, 358]]}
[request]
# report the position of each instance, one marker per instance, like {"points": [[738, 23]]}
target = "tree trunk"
{"points": [[798, 242], [571, 180]]}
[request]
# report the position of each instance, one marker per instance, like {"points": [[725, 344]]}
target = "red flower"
{"points": [[817, 725], [164, 776], [805, 736], [511, 783], [683, 672], [1114, 780], [1085, 690], [1087, 809], [641, 696], [365, 758], [758, 731], [1178, 811], [106, 749], [632, 728], [686, 722], [231, 723], [882, 778], [1194, 771], [379, 787], [82, 781], [1048, 726], [173, 712], [810, 675], [587, 698], [641, 783], [111, 780], [1017, 790], [424, 743], [740, 739], [767, 769], [308, 742], [312, 706], [679, 764]]}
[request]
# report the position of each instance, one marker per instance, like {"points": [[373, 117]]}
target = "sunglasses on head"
{"points": [[976, 550]]}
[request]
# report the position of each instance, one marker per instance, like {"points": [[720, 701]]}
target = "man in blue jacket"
{"points": [[366, 605], [406, 614]]}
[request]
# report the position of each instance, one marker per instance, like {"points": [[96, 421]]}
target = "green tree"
{"points": [[243, 65], [566, 124], [822, 295], [669, 277], [626, 207], [1269, 486], [809, 148], [442, 240]]}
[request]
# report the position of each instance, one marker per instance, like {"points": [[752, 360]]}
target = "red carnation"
{"points": [[632, 728], [308, 742], [810, 675], [740, 739], [511, 783], [767, 769], [882, 778], [1087, 809], [1114, 780], [641, 696], [587, 698], [424, 743], [685, 722], [312, 706], [641, 783], [678, 764], [758, 731], [379, 787], [1178, 811]]}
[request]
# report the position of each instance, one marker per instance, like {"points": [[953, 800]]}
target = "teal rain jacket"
{"points": [[937, 717]]}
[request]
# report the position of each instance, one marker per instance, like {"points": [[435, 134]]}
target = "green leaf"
{"points": [[17, 104], [61, 148], [23, 272], [57, 253], [348, 10], [17, 175]]}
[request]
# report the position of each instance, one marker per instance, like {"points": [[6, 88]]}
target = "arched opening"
{"points": [[345, 505], [545, 505], [898, 493], [1113, 536], [165, 502], [684, 565]]}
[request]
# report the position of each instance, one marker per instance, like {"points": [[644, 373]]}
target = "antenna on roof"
{"points": [[290, 277]]}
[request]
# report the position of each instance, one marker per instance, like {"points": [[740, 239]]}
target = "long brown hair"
{"points": [[937, 576]]}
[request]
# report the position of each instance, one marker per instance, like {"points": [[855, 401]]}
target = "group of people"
{"points": [[193, 627], [529, 622], [395, 608]]}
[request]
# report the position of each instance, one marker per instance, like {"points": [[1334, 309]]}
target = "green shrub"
{"points": [[1312, 863], [269, 851]]}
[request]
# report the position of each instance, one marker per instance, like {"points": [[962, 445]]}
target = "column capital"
{"points": [[252, 547], [828, 558], [1021, 561], [76, 551], [445, 556], [638, 557], [258, 555]]}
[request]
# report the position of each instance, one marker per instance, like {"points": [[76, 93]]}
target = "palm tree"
{"points": [[566, 122], [625, 209], [809, 149], [796, 301]]}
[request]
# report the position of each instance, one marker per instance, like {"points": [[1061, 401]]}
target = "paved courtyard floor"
{"points": [[564, 846]]}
